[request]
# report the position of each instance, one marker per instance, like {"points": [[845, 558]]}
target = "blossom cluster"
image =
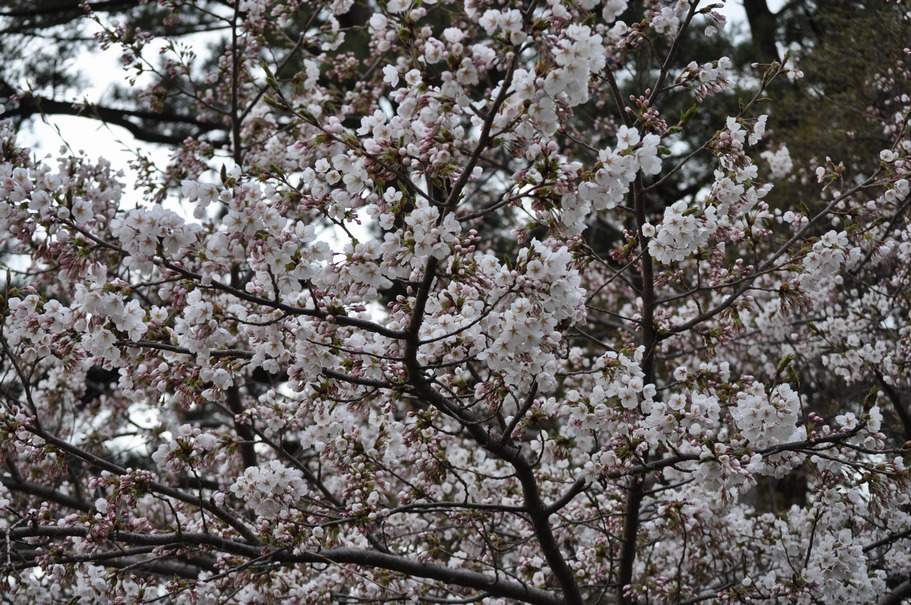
{"points": [[707, 79], [188, 448], [270, 488], [827, 256]]}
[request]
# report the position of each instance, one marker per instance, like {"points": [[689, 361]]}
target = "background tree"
{"points": [[558, 331], [830, 113]]}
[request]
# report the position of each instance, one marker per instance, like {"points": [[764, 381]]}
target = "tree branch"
{"points": [[491, 584], [490, 441], [45, 493], [30, 105], [74, 6], [898, 594]]}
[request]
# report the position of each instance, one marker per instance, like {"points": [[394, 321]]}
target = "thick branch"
{"points": [[30, 105], [244, 430], [343, 320], [649, 340], [45, 493], [489, 584], [898, 594], [71, 6], [123, 558], [763, 26]]}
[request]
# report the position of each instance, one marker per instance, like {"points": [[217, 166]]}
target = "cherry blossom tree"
{"points": [[432, 331]]}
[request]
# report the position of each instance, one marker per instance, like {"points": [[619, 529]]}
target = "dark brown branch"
{"points": [[125, 558], [30, 105], [343, 320], [244, 430], [529, 401], [898, 594], [672, 53], [74, 6], [649, 340], [45, 493], [483, 139], [763, 26], [888, 540], [494, 585], [163, 346]]}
